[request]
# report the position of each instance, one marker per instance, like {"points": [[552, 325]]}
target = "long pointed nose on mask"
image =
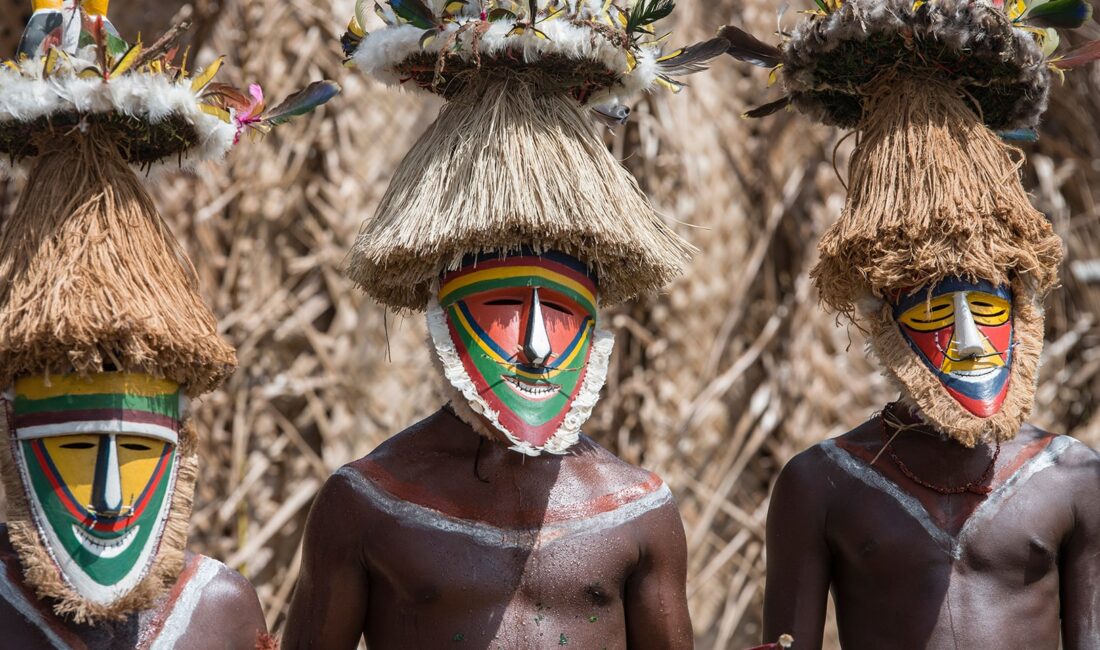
{"points": [[536, 343], [107, 489], [969, 342]]}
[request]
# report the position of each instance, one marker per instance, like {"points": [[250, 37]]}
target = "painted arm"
{"points": [[329, 609], [656, 593], [1080, 562], [797, 589]]}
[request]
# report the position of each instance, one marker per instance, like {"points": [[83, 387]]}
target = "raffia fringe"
{"points": [[933, 194], [40, 570], [936, 406], [91, 277], [504, 167]]}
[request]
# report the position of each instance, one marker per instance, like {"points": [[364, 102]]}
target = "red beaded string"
{"points": [[975, 487]]}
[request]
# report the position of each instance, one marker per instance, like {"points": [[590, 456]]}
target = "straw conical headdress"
{"points": [[513, 160], [934, 191], [933, 89]]}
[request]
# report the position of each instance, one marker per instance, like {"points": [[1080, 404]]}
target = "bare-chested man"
{"points": [[911, 567], [496, 523], [945, 521], [445, 534], [928, 539]]}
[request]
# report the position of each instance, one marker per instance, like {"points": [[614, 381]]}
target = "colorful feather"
{"points": [[646, 12], [692, 59], [302, 102], [1063, 14], [415, 12], [1081, 56], [127, 60], [612, 114], [768, 109], [207, 75], [500, 14], [1019, 135], [743, 46]]}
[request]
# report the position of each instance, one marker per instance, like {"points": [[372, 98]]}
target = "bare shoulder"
{"points": [[811, 469], [605, 472], [226, 588], [1080, 466], [226, 608]]}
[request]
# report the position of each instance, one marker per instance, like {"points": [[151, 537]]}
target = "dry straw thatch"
{"points": [[467, 187], [91, 277], [714, 385], [933, 194]]}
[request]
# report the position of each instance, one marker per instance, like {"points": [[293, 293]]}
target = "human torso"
{"points": [[515, 556], [913, 568], [29, 623]]}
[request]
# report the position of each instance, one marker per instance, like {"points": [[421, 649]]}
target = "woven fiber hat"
{"points": [[514, 160], [934, 91]]}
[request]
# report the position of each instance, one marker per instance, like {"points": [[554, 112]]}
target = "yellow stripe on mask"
{"points": [[96, 7], [508, 272], [511, 365], [131, 383]]}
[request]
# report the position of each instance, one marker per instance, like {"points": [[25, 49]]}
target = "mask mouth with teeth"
{"points": [[99, 475], [965, 354], [517, 340]]}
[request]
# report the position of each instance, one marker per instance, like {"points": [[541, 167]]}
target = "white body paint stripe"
{"points": [[180, 618], [120, 427], [489, 535], [28, 609], [949, 543], [1040, 461], [863, 472]]}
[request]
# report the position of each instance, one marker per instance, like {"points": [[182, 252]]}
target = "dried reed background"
{"points": [[716, 384]]}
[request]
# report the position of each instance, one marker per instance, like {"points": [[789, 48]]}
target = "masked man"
{"points": [[495, 522], [945, 521], [103, 338]]}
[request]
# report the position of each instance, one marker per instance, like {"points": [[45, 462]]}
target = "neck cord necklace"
{"points": [[978, 486]]}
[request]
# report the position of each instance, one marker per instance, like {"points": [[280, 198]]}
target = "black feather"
{"points": [[769, 108], [746, 47], [647, 12], [693, 58]]}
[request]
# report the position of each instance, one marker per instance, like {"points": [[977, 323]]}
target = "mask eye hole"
{"points": [[504, 302], [134, 446], [556, 307], [77, 445]]}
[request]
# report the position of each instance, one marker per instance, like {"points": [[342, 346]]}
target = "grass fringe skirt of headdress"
{"points": [[932, 194], [39, 567], [507, 165], [92, 278]]}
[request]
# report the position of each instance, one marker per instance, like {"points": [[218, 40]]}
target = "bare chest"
{"points": [[883, 529], [575, 557]]}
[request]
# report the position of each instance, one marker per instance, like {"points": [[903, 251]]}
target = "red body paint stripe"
{"points": [[421, 496], [931, 500]]}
